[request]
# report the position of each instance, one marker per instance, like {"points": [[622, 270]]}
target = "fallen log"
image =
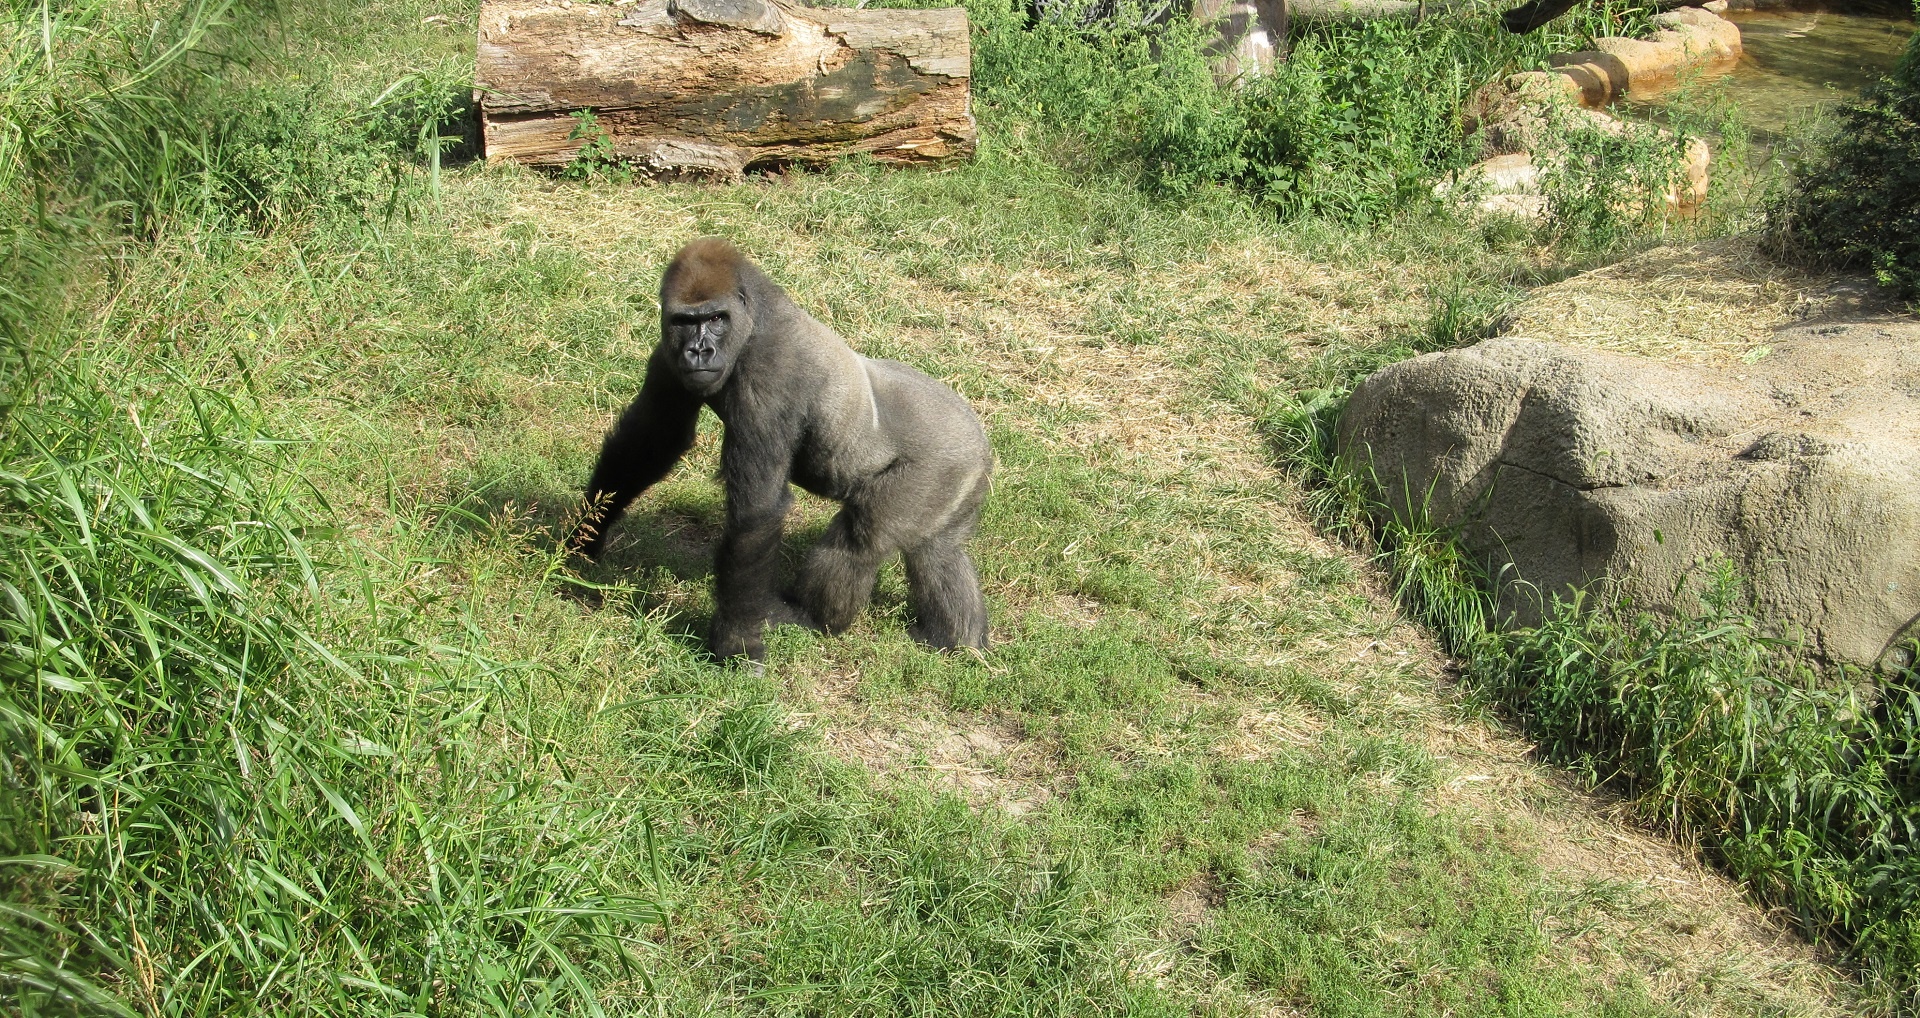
{"points": [[713, 88], [1535, 13]]}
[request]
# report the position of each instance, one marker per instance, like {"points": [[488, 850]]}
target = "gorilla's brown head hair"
{"points": [[705, 269]]}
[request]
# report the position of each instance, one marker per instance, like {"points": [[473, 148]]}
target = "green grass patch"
{"points": [[302, 708]]}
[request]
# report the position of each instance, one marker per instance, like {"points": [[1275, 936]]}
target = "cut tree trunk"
{"points": [[713, 88], [1249, 37]]}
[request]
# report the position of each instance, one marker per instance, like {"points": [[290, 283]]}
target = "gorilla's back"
{"points": [[927, 419]]}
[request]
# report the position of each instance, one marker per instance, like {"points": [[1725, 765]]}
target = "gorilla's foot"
{"points": [[946, 636]]}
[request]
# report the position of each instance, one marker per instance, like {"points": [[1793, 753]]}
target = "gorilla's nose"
{"points": [[700, 356]]}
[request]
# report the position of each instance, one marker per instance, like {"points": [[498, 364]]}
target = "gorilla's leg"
{"points": [[838, 578], [745, 575], [948, 607], [951, 612], [746, 565]]}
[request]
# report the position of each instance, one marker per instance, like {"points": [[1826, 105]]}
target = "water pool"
{"points": [[1798, 61]]}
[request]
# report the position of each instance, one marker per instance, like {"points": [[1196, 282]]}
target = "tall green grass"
{"points": [[213, 787], [194, 114], [1801, 781], [221, 779]]}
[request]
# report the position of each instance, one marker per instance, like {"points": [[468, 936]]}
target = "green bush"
{"points": [[1334, 130], [1337, 129], [1859, 203]]}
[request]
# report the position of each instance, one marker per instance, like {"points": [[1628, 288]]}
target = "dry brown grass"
{"points": [[1714, 301]]}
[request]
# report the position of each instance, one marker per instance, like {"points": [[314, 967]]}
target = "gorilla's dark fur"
{"points": [[904, 455]]}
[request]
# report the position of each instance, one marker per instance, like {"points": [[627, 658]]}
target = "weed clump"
{"points": [[1859, 203], [1334, 130]]}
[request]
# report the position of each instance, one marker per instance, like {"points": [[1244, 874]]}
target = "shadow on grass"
{"points": [[657, 548]]}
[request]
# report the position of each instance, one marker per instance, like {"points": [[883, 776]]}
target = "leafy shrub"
{"points": [[1603, 189], [596, 158], [1859, 203], [1335, 129], [1339, 130]]}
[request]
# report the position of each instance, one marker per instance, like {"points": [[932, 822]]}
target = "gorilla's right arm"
{"points": [[650, 437]]}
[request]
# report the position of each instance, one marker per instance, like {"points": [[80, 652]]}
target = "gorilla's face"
{"points": [[703, 341]]}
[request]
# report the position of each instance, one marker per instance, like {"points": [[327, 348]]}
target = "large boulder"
{"points": [[1564, 467]]}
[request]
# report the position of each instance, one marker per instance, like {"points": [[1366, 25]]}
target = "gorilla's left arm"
{"points": [[756, 464]]}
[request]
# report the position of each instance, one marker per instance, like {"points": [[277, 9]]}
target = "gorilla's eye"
{"points": [[714, 328]]}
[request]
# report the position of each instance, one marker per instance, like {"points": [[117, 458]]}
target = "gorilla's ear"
{"points": [[743, 292]]}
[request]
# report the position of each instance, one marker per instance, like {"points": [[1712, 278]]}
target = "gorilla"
{"points": [[904, 456]]}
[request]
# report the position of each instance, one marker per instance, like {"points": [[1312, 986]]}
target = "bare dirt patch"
{"points": [[986, 759]]}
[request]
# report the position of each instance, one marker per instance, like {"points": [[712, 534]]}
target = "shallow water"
{"points": [[1798, 61], [1794, 64]]}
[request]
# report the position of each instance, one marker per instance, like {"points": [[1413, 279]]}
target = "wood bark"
{"points": [[713, 88], [1250, 37]]}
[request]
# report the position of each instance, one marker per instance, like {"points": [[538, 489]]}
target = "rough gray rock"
{"points": [[1563, 466]]}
